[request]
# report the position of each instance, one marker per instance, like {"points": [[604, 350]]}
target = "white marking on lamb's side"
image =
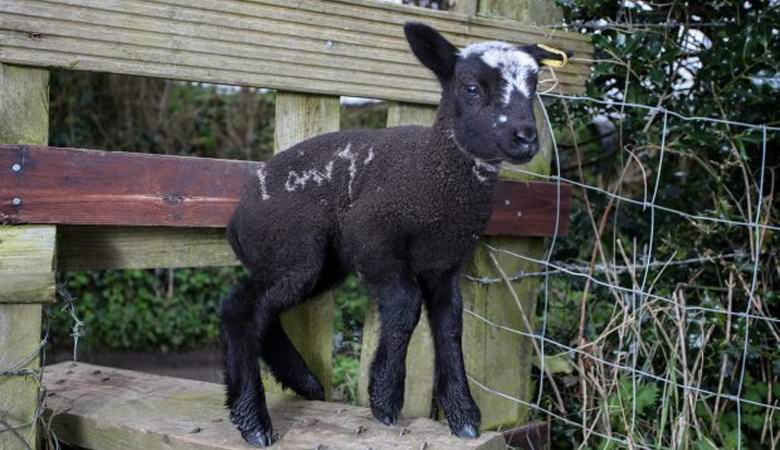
{"points": [[502, 118], [369, 157], [261, 177], [352, 158], [515, 65], [295, 180], [480, 166]]}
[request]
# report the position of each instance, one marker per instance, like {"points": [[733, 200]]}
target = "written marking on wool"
{"points": [[295, 179], [352, 158], [299, 179], [263, 189]]}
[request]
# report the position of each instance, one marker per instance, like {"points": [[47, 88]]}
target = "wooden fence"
{"points": [[99, 210]]}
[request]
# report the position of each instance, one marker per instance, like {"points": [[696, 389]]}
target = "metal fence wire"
{"points": [[659, 329]]}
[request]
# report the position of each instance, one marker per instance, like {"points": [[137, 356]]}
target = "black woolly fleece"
{"points": [[402, 199]]}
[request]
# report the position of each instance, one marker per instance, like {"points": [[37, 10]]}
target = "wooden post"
{"points": [[497, 359], [26, 263], [310, 326], [467, 7], [418, 390], [530, 12]]}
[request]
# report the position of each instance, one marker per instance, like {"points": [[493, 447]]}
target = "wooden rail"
{"points": [[334, 47], [50, 185]]}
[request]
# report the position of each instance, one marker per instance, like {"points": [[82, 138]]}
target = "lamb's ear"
{"points": [[548, 56], [432, 49]]}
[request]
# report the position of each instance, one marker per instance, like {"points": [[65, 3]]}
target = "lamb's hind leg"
{"points": [[250, 329], [240, 337], [284, 361], [287, 365]]}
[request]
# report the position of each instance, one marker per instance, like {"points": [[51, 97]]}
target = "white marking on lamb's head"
{"points": [[515, 65], [488, 90]]}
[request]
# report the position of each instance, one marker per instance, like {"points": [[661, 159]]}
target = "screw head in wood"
{"points": [[16, 167], [16, 201]]}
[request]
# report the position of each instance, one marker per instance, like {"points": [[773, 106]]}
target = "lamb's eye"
{"points": [[472, 90]]}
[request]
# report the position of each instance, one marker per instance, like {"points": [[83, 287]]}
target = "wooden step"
{"points": [[104, 408]]}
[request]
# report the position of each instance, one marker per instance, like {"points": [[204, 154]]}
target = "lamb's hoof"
{"points": [[386, 418], [317, 393], [319, 396], [466, 432], [259, 438]]}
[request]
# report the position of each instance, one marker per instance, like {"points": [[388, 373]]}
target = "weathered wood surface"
{"points": [[71, 186], [24, 104], [530, 12], [84, 247], [27, 264], [495, 358], [104, 408], [27, 249], [310, 325], [24, 119], [20, 336], [467, 7], [337, 47], [93, 187], [498, 359], [418, 388]]}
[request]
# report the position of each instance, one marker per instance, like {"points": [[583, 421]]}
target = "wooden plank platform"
{"points": [[64, 186], [335, 47], [104, 408]]}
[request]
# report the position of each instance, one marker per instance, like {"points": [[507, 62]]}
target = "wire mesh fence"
{"points": [[676, 304]]}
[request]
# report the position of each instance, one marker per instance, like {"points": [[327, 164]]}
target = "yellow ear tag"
{"points": [[554, 62]]}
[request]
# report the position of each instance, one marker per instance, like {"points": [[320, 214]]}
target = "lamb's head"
{"points": [[488, 91]]}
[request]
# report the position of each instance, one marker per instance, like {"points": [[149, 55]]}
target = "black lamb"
{"points": [[402, 207]]}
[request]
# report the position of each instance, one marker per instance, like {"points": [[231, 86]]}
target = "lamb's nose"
{"points": [[525, 134]]}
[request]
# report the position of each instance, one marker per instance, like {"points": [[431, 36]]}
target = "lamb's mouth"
{"points": [[520, 156]]}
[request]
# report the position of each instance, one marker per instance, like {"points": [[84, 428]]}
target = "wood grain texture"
{"points": [[497, 359], [20, 335], [27, 287], [111, 409], [337, 47], [24, 119], [24, 104], [418, 387], [88, 247], [531, 207], [310, 325], [494, 357], [92, 187], [27, 249], [467, 7]]}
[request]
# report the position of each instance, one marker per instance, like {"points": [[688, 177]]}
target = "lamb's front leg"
{"points": [[399, 302], [451, 389]]}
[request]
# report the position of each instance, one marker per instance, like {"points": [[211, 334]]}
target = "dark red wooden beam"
{"points": [[52, 185]]}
